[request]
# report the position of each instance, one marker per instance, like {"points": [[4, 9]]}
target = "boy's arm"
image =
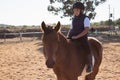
{"points": [[81, 34]]}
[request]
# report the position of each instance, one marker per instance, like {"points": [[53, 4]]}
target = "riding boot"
{"points": [[89, 63]]}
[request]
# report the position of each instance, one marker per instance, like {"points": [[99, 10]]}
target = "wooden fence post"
{"points": [[21, 37], [4, 37]]}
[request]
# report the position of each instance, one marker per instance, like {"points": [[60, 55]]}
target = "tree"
{"points": [[109, 22], [95, 24], [65, 6], [117, 22], [102, 22]]}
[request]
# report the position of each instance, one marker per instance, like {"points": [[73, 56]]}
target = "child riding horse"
{"points": [[65, 58]]}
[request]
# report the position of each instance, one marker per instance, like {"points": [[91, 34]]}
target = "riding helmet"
{"points": [[79, 5]]}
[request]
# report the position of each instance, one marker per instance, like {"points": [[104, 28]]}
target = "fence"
{"points": [[24, 34]]}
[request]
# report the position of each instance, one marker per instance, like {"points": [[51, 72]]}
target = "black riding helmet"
{"points": [[78, 5]]}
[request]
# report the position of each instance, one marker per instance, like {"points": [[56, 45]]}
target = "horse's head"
{"points": [[50, 43]]}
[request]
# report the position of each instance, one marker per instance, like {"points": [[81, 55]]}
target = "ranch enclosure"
{"points": [[33, 31], [25, 61], [21, 47]]}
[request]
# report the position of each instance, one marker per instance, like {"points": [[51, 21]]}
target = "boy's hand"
{"points": [[74, 37]]}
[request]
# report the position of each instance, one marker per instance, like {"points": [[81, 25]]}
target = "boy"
{"points": [[79, 30]]}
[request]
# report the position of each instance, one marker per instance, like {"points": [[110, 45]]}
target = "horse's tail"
{"points": [[97, 49]]}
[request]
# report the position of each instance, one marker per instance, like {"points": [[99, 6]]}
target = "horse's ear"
{"points": [[43, 25], [57, 27]]}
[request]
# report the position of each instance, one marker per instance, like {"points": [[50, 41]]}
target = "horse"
{"points": [[65, 58]]}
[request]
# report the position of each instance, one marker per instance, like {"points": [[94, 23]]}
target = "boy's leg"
{"points": [[89, 63], [88, 53], [88, 56]]}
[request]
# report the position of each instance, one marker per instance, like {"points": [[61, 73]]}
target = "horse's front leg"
{"points": [[66, 78], [61, 78], [59, 75]]}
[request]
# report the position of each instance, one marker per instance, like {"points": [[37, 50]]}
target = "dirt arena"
{"points": [[24, 61]]}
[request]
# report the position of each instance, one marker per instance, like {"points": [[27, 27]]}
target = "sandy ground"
{"points": [[24, 61]]}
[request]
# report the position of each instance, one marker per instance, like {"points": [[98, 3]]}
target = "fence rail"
{"points": [[20, 34], [23, 33]]}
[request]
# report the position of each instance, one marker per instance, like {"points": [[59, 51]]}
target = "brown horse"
{"points": [[64, 56]]}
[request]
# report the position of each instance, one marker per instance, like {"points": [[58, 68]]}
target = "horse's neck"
{"points": [[62, 39], [63, 50], [63, 44]]}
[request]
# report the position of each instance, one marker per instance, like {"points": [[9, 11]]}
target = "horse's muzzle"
{"points": [[50, 63]]}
